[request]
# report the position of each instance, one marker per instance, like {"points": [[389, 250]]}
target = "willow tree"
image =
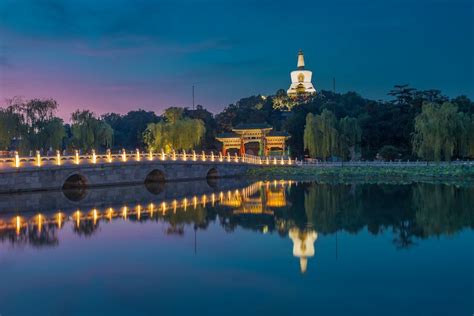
{"points": [[437, 131], [175, 132], [321, 136], [466, 141], [89, 132], [350, 137], [309, 136], [10, 127]]}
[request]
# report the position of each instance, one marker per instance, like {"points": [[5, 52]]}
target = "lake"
{"points": [[239, 247]]}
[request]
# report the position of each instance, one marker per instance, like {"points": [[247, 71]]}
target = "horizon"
{"points": [[123, 56]]}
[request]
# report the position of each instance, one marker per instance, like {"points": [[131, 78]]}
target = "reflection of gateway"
{"points": [[303, 245], [258, 198]]}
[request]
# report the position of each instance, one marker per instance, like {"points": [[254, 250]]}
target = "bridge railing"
{"points": [[58, 160], [382, 163]]}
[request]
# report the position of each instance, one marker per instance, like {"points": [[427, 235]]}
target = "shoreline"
{"points": [[451, 174]]}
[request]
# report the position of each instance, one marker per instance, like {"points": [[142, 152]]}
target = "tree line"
{"points": [[413, 124]]}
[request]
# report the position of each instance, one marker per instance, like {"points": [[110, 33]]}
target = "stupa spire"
{"points": [[300, 59]]}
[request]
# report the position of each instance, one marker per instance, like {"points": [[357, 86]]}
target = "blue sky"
{"points": [[123, 54]]}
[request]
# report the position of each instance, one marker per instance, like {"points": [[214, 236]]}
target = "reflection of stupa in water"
{"points": [[303, 245], [258, 198]]}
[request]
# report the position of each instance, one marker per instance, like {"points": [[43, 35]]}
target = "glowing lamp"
{"points": [[124, 155], [138, 154], [38, 158], [109, 156], [17, 160], [76, 157], [94, 157], [58, 157]]}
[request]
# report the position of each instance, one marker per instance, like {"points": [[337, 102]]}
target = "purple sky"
{"points": [[122, 55]]}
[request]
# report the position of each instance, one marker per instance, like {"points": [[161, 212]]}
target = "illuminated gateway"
{"points": [[301, 80]]}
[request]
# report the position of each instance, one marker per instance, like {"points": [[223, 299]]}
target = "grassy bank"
{"points": [[432, 173]]}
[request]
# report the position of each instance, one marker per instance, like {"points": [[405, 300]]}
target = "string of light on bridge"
{"points": [[138, 156]]}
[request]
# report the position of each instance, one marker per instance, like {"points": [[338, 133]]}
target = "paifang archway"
{"points": [[261, 133]]}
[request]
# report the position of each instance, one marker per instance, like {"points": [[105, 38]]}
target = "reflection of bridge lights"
{"points": [[110, 213], [243, 201], [163, 207], [18, 224], [77, 215], [40, 222], [151, 209], [94, 216], [139, 211], [59, 217]]}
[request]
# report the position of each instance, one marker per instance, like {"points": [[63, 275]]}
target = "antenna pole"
{"points": [[334, 84], [193, 97]]}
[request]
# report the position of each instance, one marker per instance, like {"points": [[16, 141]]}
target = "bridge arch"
{"points": [[155, 176], [74, 181], [212, 177], [74, 187]]}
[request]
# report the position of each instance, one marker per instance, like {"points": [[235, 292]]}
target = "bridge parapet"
{"points": [[39, 173], [38, 161]]}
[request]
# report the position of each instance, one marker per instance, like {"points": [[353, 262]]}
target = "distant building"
{"points": [[301, 85], [255, 139]]}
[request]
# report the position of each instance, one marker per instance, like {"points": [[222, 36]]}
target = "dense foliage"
{"points": [[175, 132], [345, 126]]}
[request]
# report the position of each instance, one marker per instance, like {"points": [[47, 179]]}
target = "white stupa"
{"points": [[301, 80]]}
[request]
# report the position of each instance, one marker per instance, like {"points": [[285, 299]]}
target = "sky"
{"points": [[121, 55]]}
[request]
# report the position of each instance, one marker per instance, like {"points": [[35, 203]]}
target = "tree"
{"points": [[350, 137], [129, 128], [437, 131], [466, 139], [175, 132], [200, 113], [389, 152], [322, 135], [34, 123], [89, 132], [282, 102], [10, 127]]}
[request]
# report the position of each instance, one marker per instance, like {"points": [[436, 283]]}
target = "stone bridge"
{"points": [[68, 172]]}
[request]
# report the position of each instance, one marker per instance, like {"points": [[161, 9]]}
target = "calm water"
{"points": [[239, 248]]}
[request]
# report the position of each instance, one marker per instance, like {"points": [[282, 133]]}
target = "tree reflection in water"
{"points": [[297, 211]]}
